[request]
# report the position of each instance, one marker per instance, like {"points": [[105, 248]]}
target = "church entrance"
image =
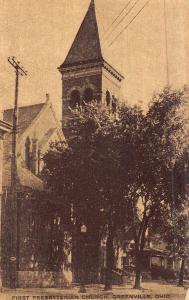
{"points": [[85, 259]]}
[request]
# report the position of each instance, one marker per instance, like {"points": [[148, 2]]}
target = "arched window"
{"points": [[28, 153], [75, 99], [108, 98], [88, 95]]}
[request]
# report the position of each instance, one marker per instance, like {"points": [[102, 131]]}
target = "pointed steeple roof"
{"points": [[86, 46]]}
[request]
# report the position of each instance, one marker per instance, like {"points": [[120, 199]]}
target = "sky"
{"points": [[39, 34]]}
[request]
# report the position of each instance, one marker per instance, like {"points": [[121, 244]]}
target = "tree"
{"points": [[123, 164], [84, 174], [175, 230], [177, 238], [160, 143]]}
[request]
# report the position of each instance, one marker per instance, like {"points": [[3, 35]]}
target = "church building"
{"points": [[38, 126]]}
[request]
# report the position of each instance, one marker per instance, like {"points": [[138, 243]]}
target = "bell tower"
{"points": [[86, 75]]}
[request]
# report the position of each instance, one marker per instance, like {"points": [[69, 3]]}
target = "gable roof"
{"points": [[26, 114], [86, 46]]}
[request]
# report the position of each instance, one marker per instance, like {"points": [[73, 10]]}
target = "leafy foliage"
{"points": [[122, 171]]}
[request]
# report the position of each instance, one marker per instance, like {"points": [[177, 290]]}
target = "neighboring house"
{"points": [[37, 128]]}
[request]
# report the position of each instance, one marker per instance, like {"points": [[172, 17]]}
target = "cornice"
{"points": [[72, 69], [5, 127], [80, 66], [81, 73], [112, 71]]}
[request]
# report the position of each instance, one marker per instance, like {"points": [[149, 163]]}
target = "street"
{"points": [[151, 290]]}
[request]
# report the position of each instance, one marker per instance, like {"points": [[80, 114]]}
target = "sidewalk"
{"points": [[151, 290]]}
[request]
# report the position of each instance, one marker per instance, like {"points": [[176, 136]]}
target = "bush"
{"points": [[162, 273]]}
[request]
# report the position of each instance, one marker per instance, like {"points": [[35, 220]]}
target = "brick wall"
{"points": [[80, 83], [111, 84], [98, 79]]}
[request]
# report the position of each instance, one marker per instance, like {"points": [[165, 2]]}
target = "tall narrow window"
{"points": [[107, 98], [88, 95], [114, 104], [34, 156], [75, 99], [28, 153]]}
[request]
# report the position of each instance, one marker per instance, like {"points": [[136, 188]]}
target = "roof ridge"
{"points": [[26, 115], [24, 106]]}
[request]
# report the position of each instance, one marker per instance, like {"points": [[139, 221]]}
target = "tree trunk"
{"points": [[139, 252], [137, 284], [181, 274], [109, 261]]}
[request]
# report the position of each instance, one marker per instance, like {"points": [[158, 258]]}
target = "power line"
{"points": [[16, 65], [98, 12], [116, 18], [129, 23], [123, 17]]}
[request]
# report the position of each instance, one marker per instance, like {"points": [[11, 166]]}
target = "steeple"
{"points": [[86, 46], [86, 75]]}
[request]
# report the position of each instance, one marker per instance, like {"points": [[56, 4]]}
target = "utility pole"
{"points": [[13, 251]]}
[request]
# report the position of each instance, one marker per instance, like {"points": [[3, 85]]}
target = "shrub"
{"points": [[158, 272]]}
